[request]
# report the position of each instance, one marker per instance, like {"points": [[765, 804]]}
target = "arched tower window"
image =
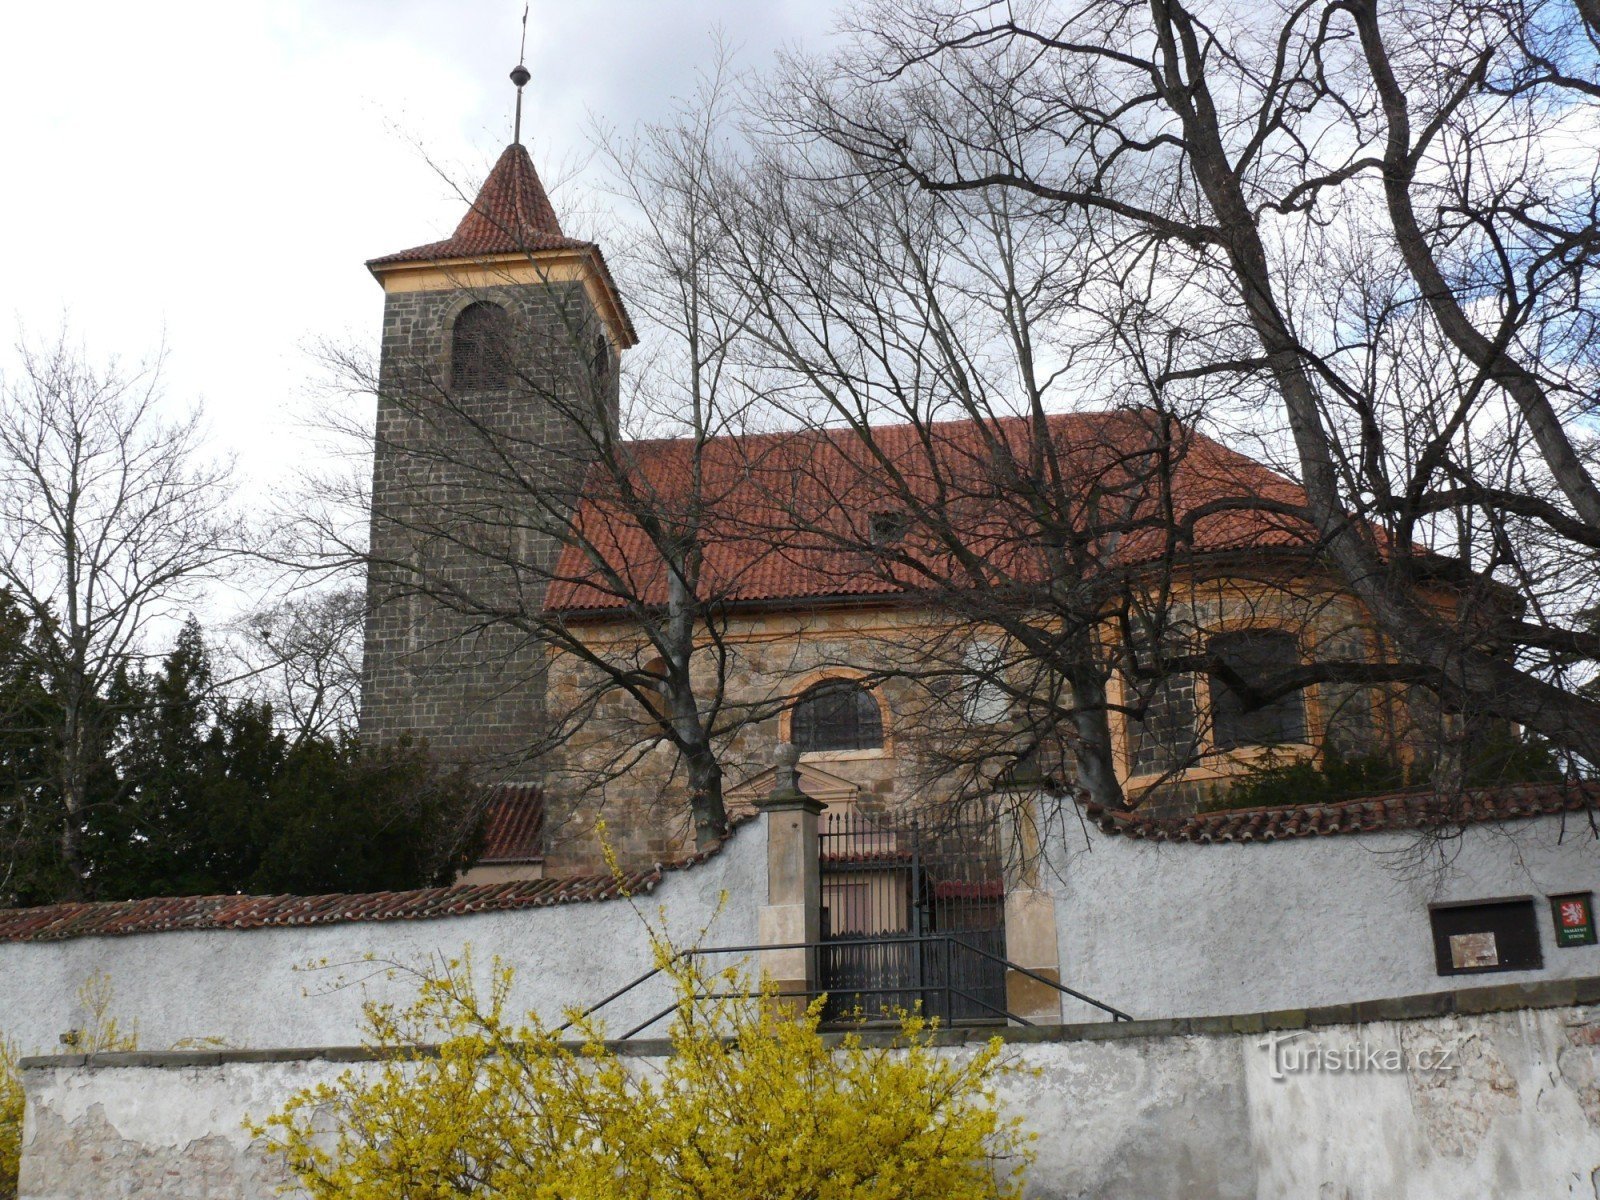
{"points": [[836, 714], [478, 344]]}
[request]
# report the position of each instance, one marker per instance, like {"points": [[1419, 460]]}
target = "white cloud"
{"points": [[215, 174]]}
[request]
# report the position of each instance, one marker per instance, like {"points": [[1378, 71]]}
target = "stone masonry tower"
{"points": [[497, 381]]}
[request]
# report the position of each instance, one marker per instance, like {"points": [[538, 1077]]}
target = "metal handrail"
{"points": [[947, 988], [813, 993], [1116, 1013]]}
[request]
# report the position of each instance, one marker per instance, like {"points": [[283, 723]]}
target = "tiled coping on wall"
{"points": [[1552, 993]]}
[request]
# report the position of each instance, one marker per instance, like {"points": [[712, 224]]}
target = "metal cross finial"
{"points": [[520, 76]]}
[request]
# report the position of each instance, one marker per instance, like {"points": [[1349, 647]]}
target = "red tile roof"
{"points": [[514, 825], [512, 215], [1416, 809], [786, 514], [193, 913]]}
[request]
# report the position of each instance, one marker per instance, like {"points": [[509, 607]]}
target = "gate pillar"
{"points": [[1031, 940], [793, 911]]}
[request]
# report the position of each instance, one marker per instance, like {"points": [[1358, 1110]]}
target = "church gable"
{"points": [[822, 786]]}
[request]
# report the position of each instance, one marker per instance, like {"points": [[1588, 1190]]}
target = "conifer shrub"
{"points": [[1498, 759]]}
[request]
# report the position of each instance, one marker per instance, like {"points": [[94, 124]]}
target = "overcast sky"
{"points": [[213, 174]]}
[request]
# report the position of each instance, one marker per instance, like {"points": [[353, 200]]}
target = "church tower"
{"points": [[497, 382]]}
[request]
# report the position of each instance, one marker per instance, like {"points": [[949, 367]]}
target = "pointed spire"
{"points": [[512, 215], [512, 204]]}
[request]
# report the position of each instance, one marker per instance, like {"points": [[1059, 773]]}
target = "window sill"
{"points": [[821, 756], [1289, 752]]}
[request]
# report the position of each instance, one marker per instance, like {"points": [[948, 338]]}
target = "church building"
{"points": [[517, 560]]}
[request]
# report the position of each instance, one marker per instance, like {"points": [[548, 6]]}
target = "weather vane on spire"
{"points": [[520, 76]]}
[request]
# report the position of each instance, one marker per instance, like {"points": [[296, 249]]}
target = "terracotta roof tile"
{"points": [[1415, 809], [785, 514], [511, 215], [192, 913], [514, 824]]}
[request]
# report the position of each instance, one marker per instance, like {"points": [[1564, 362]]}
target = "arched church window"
{"points": [[478, 343], [601, 364], [836, 714]]}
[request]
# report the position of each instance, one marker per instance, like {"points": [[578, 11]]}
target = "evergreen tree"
{"points": [[348, 819], [30, 812], [202, 794]]}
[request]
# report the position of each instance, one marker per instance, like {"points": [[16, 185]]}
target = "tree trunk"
{"points": [[1565, 718], [705, 798], [1095, 758], [71, 771], [705, 773]]}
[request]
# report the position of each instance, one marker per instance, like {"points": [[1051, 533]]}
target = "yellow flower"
{"points": [[751, 1104]]}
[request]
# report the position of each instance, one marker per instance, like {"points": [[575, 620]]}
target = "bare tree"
{"points": [[111, 519], [989, 437], [1364, 237], [302, 655]]}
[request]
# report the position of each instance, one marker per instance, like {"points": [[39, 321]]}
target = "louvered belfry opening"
{"points": [[913, 915], [479, 359]]}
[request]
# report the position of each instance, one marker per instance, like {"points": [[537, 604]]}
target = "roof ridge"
{"points": [[1100, 415]]}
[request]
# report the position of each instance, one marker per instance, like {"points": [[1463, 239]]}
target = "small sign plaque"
{"points": [[1473, 951], [1574, 918]]}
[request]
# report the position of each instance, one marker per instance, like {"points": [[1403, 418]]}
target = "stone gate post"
{"points": [[1031, 940], [793, 911]]}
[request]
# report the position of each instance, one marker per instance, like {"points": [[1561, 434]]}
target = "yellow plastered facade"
{"points": [[505, 270]]}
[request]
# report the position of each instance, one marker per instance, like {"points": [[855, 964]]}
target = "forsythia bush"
{"points": [[753, 1104], [101, 1032], [10, 1121]]}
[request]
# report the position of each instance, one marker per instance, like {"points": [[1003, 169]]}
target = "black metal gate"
{"points": [[912, 915]]}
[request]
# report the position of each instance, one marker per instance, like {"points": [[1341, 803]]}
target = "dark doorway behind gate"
{"points": [[913, 915]]}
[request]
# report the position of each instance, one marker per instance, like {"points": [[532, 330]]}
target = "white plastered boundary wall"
{"points": [[246, 988], [1176, 929], [1157, 929], [1149, 1113]]}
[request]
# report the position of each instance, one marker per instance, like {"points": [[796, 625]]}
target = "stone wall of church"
{"points": [[1170, 759], [618, 769], [451, 519]]}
